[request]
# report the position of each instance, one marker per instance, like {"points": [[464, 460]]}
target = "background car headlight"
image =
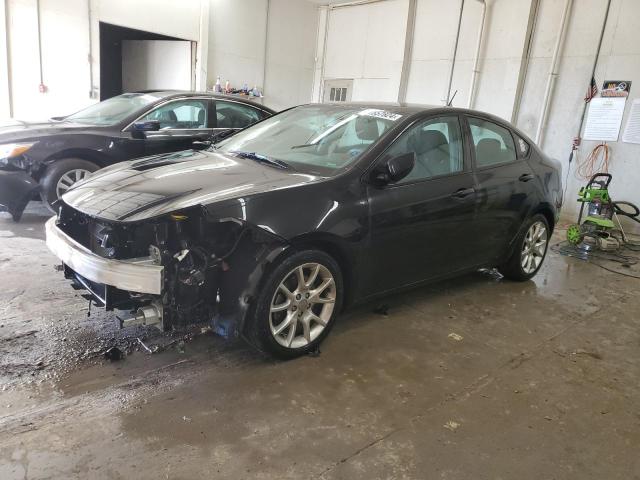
{"points": [[11, 155]]}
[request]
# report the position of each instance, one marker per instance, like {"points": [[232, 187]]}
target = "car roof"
{"points": [[411, 109], [167, 94]]}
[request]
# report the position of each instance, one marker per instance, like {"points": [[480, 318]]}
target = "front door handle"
{"points": [[525, 177], [463, 192]]}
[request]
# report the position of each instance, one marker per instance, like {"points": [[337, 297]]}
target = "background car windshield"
{"points": [[113, 110], [317, 138]]}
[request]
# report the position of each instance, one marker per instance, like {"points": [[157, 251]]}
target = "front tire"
{"points": [[297, 305], [61, 175], [530, 250]]}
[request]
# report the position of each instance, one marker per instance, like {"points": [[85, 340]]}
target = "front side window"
{"points": [[319, 139], [236, 115], [437, 143], [180, 114], [493, 144]]}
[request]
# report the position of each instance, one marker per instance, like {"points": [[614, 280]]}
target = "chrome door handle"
{"points": [[463, 192], [525, 177]]}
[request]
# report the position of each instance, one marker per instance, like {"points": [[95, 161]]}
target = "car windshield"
{"points": [[113, 110], [319, 139]]}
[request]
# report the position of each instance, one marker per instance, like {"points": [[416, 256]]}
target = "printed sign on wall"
{"points": [[604, 119], [616, 88]]}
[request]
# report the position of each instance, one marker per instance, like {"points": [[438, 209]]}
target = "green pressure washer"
{"points": [[597, 229]]}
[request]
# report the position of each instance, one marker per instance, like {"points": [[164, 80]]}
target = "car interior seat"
{"points": [[488, 151], [202, 118], [167, 118], [432, 153], [366, 128]]}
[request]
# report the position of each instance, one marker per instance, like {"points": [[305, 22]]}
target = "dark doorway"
{"points": [[111, 38]]}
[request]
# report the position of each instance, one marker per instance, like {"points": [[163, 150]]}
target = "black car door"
{"points": [[423, 226], [184, 123], [506, 186]]}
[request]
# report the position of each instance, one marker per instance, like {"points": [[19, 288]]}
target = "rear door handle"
{"points": [[463, 192], [525, 177]]}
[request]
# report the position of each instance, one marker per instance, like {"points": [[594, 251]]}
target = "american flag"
{"points": [[592, 91]]}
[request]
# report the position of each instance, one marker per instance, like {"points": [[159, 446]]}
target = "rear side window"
{"points": [[493, 144], [236, 115], [180, 114]]}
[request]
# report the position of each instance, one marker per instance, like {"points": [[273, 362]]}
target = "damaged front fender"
{"points": [[242, 276], [16, 189]]}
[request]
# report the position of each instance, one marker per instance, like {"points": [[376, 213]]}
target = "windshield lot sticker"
{"points": [[373, 112]]}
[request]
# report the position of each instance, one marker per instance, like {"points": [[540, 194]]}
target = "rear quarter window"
{"points": [[521, 146]]}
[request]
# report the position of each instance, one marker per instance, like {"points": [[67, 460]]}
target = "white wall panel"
{"points": [[619, 60], [5, 105], [366, 43], [65, 46], [179, 19], [237, 41], [291, 47]]}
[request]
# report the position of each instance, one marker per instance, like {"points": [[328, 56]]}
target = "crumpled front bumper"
{"points": [[140, 275], [16, 189]]}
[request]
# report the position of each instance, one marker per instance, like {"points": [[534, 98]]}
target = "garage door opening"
{"points": [[132, 60]]}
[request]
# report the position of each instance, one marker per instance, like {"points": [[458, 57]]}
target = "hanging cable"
{"points": [[596, 162]]}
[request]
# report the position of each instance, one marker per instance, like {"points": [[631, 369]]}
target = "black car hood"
{"points": [[22, 131], [153, 186]]}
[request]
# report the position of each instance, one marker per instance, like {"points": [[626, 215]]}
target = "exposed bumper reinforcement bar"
{"points": [[140, 275]]}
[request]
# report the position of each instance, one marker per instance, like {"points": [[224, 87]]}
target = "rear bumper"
{"points": [[140, 275], [16, 189]]}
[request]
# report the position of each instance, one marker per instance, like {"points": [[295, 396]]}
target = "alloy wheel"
{"points": [[534, 247], [69, 178], [302, 305]]}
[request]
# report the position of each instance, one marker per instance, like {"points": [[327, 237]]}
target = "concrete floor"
{"points": [[474, 378]]}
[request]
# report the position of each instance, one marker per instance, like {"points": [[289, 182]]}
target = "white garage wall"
{"points": [[230, 34], [65, 46], [291, 45], [4, 70], [236, 41], [619, 60], [502, 51], [366, 43], [242, 32], [179, 19]]}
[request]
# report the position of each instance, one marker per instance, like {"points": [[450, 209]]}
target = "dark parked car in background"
{"points": [[52, 156], [274, 230]]}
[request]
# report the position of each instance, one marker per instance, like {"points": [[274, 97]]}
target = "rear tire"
{"points": [[530, 250], [297, 305], [60, 175]]}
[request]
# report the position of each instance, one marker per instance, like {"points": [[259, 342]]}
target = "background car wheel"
{"points": [[60, 175], [530, 250], [298, 304]]}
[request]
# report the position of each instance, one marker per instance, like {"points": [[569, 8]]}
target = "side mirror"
{"points": [[139, 128], [394, 169]]}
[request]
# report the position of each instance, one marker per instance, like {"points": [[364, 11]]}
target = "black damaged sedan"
{"points": [[48, 157], [273, 232]]}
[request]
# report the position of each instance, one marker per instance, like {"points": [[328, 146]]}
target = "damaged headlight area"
{"points": [[12, 156], [168, 271]]}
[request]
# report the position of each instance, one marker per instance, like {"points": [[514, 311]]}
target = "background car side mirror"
{"points": [[394, 169], [139, 128], [222, 134]]}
